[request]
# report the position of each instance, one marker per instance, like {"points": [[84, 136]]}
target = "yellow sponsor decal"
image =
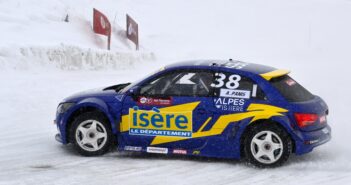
{"points": [[188, 107], [174, 121], [254, 111], [160, 123]]}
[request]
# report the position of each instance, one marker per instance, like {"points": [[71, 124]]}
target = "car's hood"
{"points": [[108, 95]]}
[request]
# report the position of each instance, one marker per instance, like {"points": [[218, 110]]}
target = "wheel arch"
{"points": [[88, 105], [281, 122]]}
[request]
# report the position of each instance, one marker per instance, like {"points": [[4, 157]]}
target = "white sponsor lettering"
{"points": [[157, 150], [230, 108], [235, 93], [229, 101], [178, 151], [236, 65], [133, 148], [230, 104]]}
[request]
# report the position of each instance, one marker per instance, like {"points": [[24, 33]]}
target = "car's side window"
{"points": [[180, 83], [231, 85]]}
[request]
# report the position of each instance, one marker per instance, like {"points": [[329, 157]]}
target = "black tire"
{"points": [[262, 130], [103, 125]]}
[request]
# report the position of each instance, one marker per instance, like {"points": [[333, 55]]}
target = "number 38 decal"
{"points": [[232, 83]]}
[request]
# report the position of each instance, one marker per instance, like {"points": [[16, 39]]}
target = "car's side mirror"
{"points": [[134, 92]]}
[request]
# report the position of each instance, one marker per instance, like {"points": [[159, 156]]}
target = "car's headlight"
{"points": [[63, 107]]}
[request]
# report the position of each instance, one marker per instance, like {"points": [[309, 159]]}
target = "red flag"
{"points": [[101, 25], [132, 31]]}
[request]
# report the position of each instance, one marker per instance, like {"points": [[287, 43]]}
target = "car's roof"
{"points": [[233, 64], [266, 72]]}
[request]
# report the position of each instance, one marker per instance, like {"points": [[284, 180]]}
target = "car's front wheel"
{"points": [[267, 145], [90, 134]]}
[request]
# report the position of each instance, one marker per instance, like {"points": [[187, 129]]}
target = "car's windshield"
{"points": [[125, 89], [291, 90]]}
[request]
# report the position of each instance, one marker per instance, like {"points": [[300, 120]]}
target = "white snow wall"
{"points": [[68, 57]]}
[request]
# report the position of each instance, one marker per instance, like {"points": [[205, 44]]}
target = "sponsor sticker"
{"points": [[236, 64], [230, 93], [158, 123], [229, 104], [157, 150], [179, 151], [154, 101], [143, 100], [133, 148], [290, 82], [196, 152]]}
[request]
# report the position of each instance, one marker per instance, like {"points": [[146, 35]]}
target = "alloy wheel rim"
{"points": [[267, 147], [91, 135]]}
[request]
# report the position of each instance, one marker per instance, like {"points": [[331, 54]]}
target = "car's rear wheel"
{"points": [[91, 134], [267, 145]]}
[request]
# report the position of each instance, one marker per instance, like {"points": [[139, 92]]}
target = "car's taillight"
{"points": [[304, 120]]}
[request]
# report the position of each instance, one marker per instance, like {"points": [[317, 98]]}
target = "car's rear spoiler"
{"points": [[274, 74]]}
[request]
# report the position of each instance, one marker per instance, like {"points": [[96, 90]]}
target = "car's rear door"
{"points": [[233, 94], [167, 110]]}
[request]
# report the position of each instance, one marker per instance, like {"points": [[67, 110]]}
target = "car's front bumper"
{"points": [[312, 139], [58, 138]]}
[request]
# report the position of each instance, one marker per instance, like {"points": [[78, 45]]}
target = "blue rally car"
{"points": [[223, 109]]}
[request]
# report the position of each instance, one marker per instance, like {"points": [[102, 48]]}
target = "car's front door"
{"points": [[167, 110]]}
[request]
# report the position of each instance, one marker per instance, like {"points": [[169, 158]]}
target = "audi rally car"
{"points": [[222, 109]]}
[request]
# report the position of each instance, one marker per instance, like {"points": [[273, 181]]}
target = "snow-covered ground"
{"points": [[310, 37]]}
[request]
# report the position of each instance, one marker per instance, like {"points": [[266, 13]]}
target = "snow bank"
{"points": [[34, 34], [68, 57]]}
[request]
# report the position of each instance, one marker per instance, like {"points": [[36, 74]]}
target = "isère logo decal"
{"points": [[157, 123]]}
